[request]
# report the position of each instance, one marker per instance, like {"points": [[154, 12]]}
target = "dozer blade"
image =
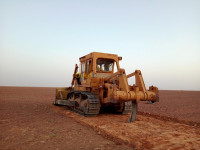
{"points": [[134, 112], [60, 102]]}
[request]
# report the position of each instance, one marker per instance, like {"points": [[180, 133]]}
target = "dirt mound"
{"points": [[144, 133]]}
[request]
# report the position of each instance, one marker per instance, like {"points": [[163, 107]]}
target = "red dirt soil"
{"points": [[181, 105], [28, 120]]}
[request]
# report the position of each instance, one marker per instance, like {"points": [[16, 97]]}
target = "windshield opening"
{"points": [[105, 65]]}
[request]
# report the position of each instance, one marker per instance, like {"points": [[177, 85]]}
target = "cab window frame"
{"points": [[89, 66], [83, 64], [103, 71]]}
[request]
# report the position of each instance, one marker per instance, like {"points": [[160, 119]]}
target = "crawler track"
{"points": [[90, 99]]}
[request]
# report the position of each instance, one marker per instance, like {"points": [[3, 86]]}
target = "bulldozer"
{"points": [[95, 85]]}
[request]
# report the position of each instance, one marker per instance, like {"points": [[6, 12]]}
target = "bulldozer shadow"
{"points": [[109, 110]]}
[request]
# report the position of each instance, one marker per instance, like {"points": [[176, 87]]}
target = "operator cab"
{"points": [[101, 64]]}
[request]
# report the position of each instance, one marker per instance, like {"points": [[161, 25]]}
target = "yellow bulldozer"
{"points": [[95, 85]]}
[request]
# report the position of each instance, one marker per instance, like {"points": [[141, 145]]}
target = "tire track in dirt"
{"points": [[145, 133]]}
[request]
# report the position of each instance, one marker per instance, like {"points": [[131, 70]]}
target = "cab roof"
{"points": [[95, 55]]}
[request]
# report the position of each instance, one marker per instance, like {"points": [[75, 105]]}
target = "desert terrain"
{"points": [[28, 120]]}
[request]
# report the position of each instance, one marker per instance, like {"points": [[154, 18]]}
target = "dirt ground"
{"points": [[181, 105], [28, 120]]}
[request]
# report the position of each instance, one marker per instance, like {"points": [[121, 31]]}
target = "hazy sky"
{"points": [[40, 41]]}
